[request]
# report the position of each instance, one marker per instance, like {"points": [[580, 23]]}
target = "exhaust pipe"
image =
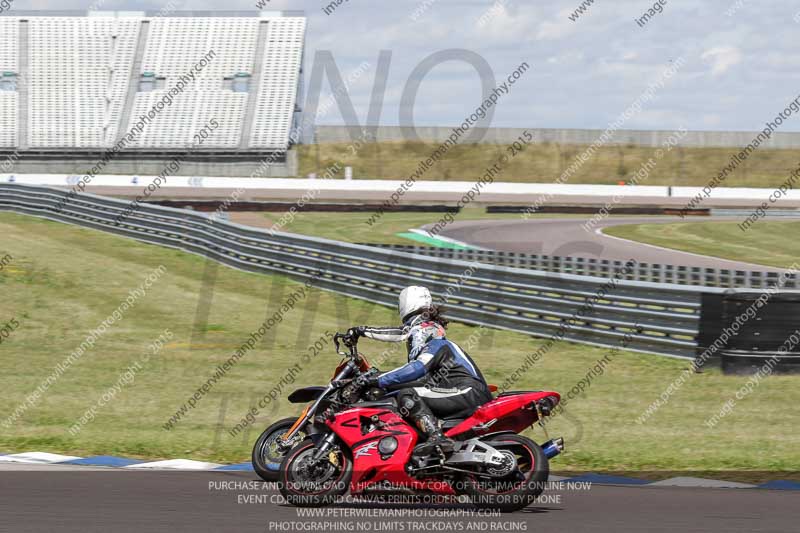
{"points": [[553, 447]]}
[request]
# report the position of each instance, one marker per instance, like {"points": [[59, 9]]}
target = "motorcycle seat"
{"points": [[516, 392], [452, 420]]}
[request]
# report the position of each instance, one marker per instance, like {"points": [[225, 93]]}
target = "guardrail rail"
{"points": [[652, 272]]}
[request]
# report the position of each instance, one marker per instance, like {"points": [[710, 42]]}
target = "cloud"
{"points": [[503, 22], [722, 58], [558, 27]]}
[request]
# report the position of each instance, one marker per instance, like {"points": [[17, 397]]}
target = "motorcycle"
{"points": [[357, 439]]}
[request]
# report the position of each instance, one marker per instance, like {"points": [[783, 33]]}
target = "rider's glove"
{"points": [[367, 379]]}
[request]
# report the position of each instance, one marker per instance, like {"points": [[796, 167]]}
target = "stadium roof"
{"points": [[20, 13]]}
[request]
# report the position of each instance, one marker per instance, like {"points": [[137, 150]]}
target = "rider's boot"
{"points": [[428, 425]]}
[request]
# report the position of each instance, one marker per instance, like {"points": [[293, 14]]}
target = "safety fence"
{"points": [[661, 318], [651, 272]]}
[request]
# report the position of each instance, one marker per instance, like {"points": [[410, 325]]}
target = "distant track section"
{"points": [[567, 237]]}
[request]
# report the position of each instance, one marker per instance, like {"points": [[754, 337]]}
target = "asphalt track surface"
{"points": [[81, 499], [567, 237]]}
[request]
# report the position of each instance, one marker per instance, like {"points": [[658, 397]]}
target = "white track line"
{"points": [[36, 458], [700, 482], [176, 464], [420, 231]]}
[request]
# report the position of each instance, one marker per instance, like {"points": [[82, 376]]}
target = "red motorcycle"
{"points": [[357, 439]]}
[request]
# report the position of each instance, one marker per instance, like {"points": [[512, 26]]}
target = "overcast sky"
{"points": [[741, 68]]}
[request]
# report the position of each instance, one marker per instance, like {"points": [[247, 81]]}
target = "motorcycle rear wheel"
{"points": [[266, 458], [306, 485], [520, 488]]}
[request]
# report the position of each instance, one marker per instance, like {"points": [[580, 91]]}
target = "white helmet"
{"points": [[412, 300]]}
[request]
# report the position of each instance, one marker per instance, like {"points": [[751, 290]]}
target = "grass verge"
{"points": [[543, 163], [771, 243], [64, 281]]}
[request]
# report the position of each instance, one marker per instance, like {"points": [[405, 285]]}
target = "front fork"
{"points": [[324, 446], [285, 441]]}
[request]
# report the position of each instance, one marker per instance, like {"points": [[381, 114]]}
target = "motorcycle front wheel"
{"points": [[267, 456], [306, 483], [519, 488]]}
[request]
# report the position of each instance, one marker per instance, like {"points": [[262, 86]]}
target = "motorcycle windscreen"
{"points": [[306, 394]]}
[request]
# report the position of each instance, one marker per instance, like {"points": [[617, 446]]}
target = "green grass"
{"points": [[771, 243], [543, 163], [65, 280]]}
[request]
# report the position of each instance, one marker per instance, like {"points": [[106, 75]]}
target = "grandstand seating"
{"points": [[9, 100], [280, 70], [8, 119], [78, 79], [173, 47], [84, 80]]}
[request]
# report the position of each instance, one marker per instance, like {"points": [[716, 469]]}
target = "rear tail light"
{"points": [[546, 405]]}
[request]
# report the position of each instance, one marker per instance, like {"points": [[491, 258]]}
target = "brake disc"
{"points": [[508, 466]]}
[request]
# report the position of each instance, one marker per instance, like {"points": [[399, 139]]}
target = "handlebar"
{"points": [[349, 341]]}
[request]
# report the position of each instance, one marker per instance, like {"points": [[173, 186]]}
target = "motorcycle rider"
{"points": [[440, 379]]}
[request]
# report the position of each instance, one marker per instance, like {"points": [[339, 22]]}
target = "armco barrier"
{"points": [[662, 318], [652, 272], [766, 341]]}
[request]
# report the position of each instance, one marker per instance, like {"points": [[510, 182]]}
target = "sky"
{"points": [[739, 59]]}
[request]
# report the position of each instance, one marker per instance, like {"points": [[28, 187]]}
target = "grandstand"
{"points": [[73, 86]]}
